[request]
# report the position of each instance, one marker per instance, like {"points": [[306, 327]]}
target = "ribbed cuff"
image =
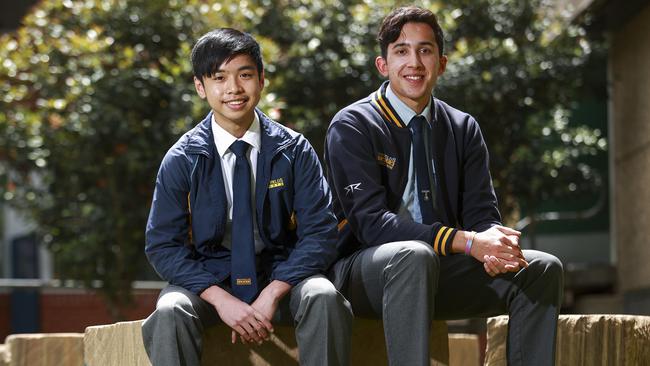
{"points": [[443, 240]]}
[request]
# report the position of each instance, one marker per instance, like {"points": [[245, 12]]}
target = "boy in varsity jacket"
{"points": [[412, 194]]}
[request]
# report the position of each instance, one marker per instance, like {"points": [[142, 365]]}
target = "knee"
{"points": [[552, 266], [322, 291], [172, 307], [549, 267], [417, 255], [319, 293]]}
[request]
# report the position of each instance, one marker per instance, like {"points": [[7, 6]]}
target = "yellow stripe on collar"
{"points": [[381, 111], [379, 100]]}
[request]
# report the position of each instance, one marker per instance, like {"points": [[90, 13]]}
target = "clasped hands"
{"points": [[252, 323], [499, 251]]}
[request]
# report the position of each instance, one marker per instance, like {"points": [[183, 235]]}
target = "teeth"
{"points": [[236, 102], [414, 77]]}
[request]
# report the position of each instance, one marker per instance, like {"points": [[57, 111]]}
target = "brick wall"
{"points": [[4, 315], [66, 310], [73, 312]]}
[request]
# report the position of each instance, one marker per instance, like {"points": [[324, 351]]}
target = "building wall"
{"points": [[72, 310], [630, 98], [5, 313], [14, 226]]}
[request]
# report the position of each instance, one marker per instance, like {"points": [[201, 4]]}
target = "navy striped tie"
{"points": [[243, 278], [422, 175]]}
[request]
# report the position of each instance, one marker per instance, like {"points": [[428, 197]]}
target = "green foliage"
{"points": [[516, 66], [93, 92]]}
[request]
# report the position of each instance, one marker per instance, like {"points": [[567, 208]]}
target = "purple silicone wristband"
{"points": [[468, 245]]}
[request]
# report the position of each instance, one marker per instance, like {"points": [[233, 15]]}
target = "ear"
{"points": [[443, 65], [382, 66], [198, 85]]}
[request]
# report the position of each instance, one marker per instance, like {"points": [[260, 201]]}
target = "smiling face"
{"points": [[233, 91], [413, 65]]}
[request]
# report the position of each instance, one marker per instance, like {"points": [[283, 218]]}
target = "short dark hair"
{"points": [[221, 45], [392, 25]]}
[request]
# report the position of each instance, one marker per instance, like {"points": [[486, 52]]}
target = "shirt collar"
{"points": [[223, 139], [404, 112]]}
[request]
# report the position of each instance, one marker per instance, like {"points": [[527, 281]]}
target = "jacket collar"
{"points": [[388, 111], [274, 138], [404, 112]]}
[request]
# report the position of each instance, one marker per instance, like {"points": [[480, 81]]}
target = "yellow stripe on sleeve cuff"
{"points": [[444, 238]]}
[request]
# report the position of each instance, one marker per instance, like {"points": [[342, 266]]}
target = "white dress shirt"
{"points": [[223, 139]]}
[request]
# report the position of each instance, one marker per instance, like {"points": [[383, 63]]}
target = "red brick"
{"points": [[66, 310], [74, 310], [4, 316]]}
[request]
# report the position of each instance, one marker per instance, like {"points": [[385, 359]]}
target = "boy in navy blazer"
{"points": [[241, 224]]}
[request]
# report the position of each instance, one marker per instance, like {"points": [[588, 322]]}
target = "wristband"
{"points": [[470, 241]]}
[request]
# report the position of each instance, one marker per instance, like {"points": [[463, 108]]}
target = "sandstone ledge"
{"points": [[121, 344], [60, 349], [464, 350], [4, 357], [585, 340]]}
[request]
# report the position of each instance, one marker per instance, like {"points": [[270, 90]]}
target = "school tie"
{"points": [[422, 175], [243, 276]]}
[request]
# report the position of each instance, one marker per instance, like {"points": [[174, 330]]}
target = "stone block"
{"points": [[121, 344], [464, 350], [369, 344], [115, 345], [585, 340], [45, 349], [4, 355]]}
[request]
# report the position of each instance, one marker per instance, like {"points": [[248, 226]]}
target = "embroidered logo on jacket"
{"points": [[353, 187], [386, 160], [275, 183]]}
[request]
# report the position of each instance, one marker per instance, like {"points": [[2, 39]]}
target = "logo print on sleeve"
{"points": [[352, 188]]}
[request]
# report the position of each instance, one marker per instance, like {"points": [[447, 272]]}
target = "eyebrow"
{"points": [[404, 44], [245, 67]]}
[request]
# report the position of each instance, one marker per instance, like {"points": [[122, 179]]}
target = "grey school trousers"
{"points": [[172, 335], [407, 285]]}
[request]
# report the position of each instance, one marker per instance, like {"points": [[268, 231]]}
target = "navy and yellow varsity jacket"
{"points": [[189, 210], [367, 152]]}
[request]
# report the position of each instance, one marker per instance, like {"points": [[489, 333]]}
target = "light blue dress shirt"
{"points": [[410, 206]]}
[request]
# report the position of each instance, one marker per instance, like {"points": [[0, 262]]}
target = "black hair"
{"points": [[221, 45], [391, 27]]}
